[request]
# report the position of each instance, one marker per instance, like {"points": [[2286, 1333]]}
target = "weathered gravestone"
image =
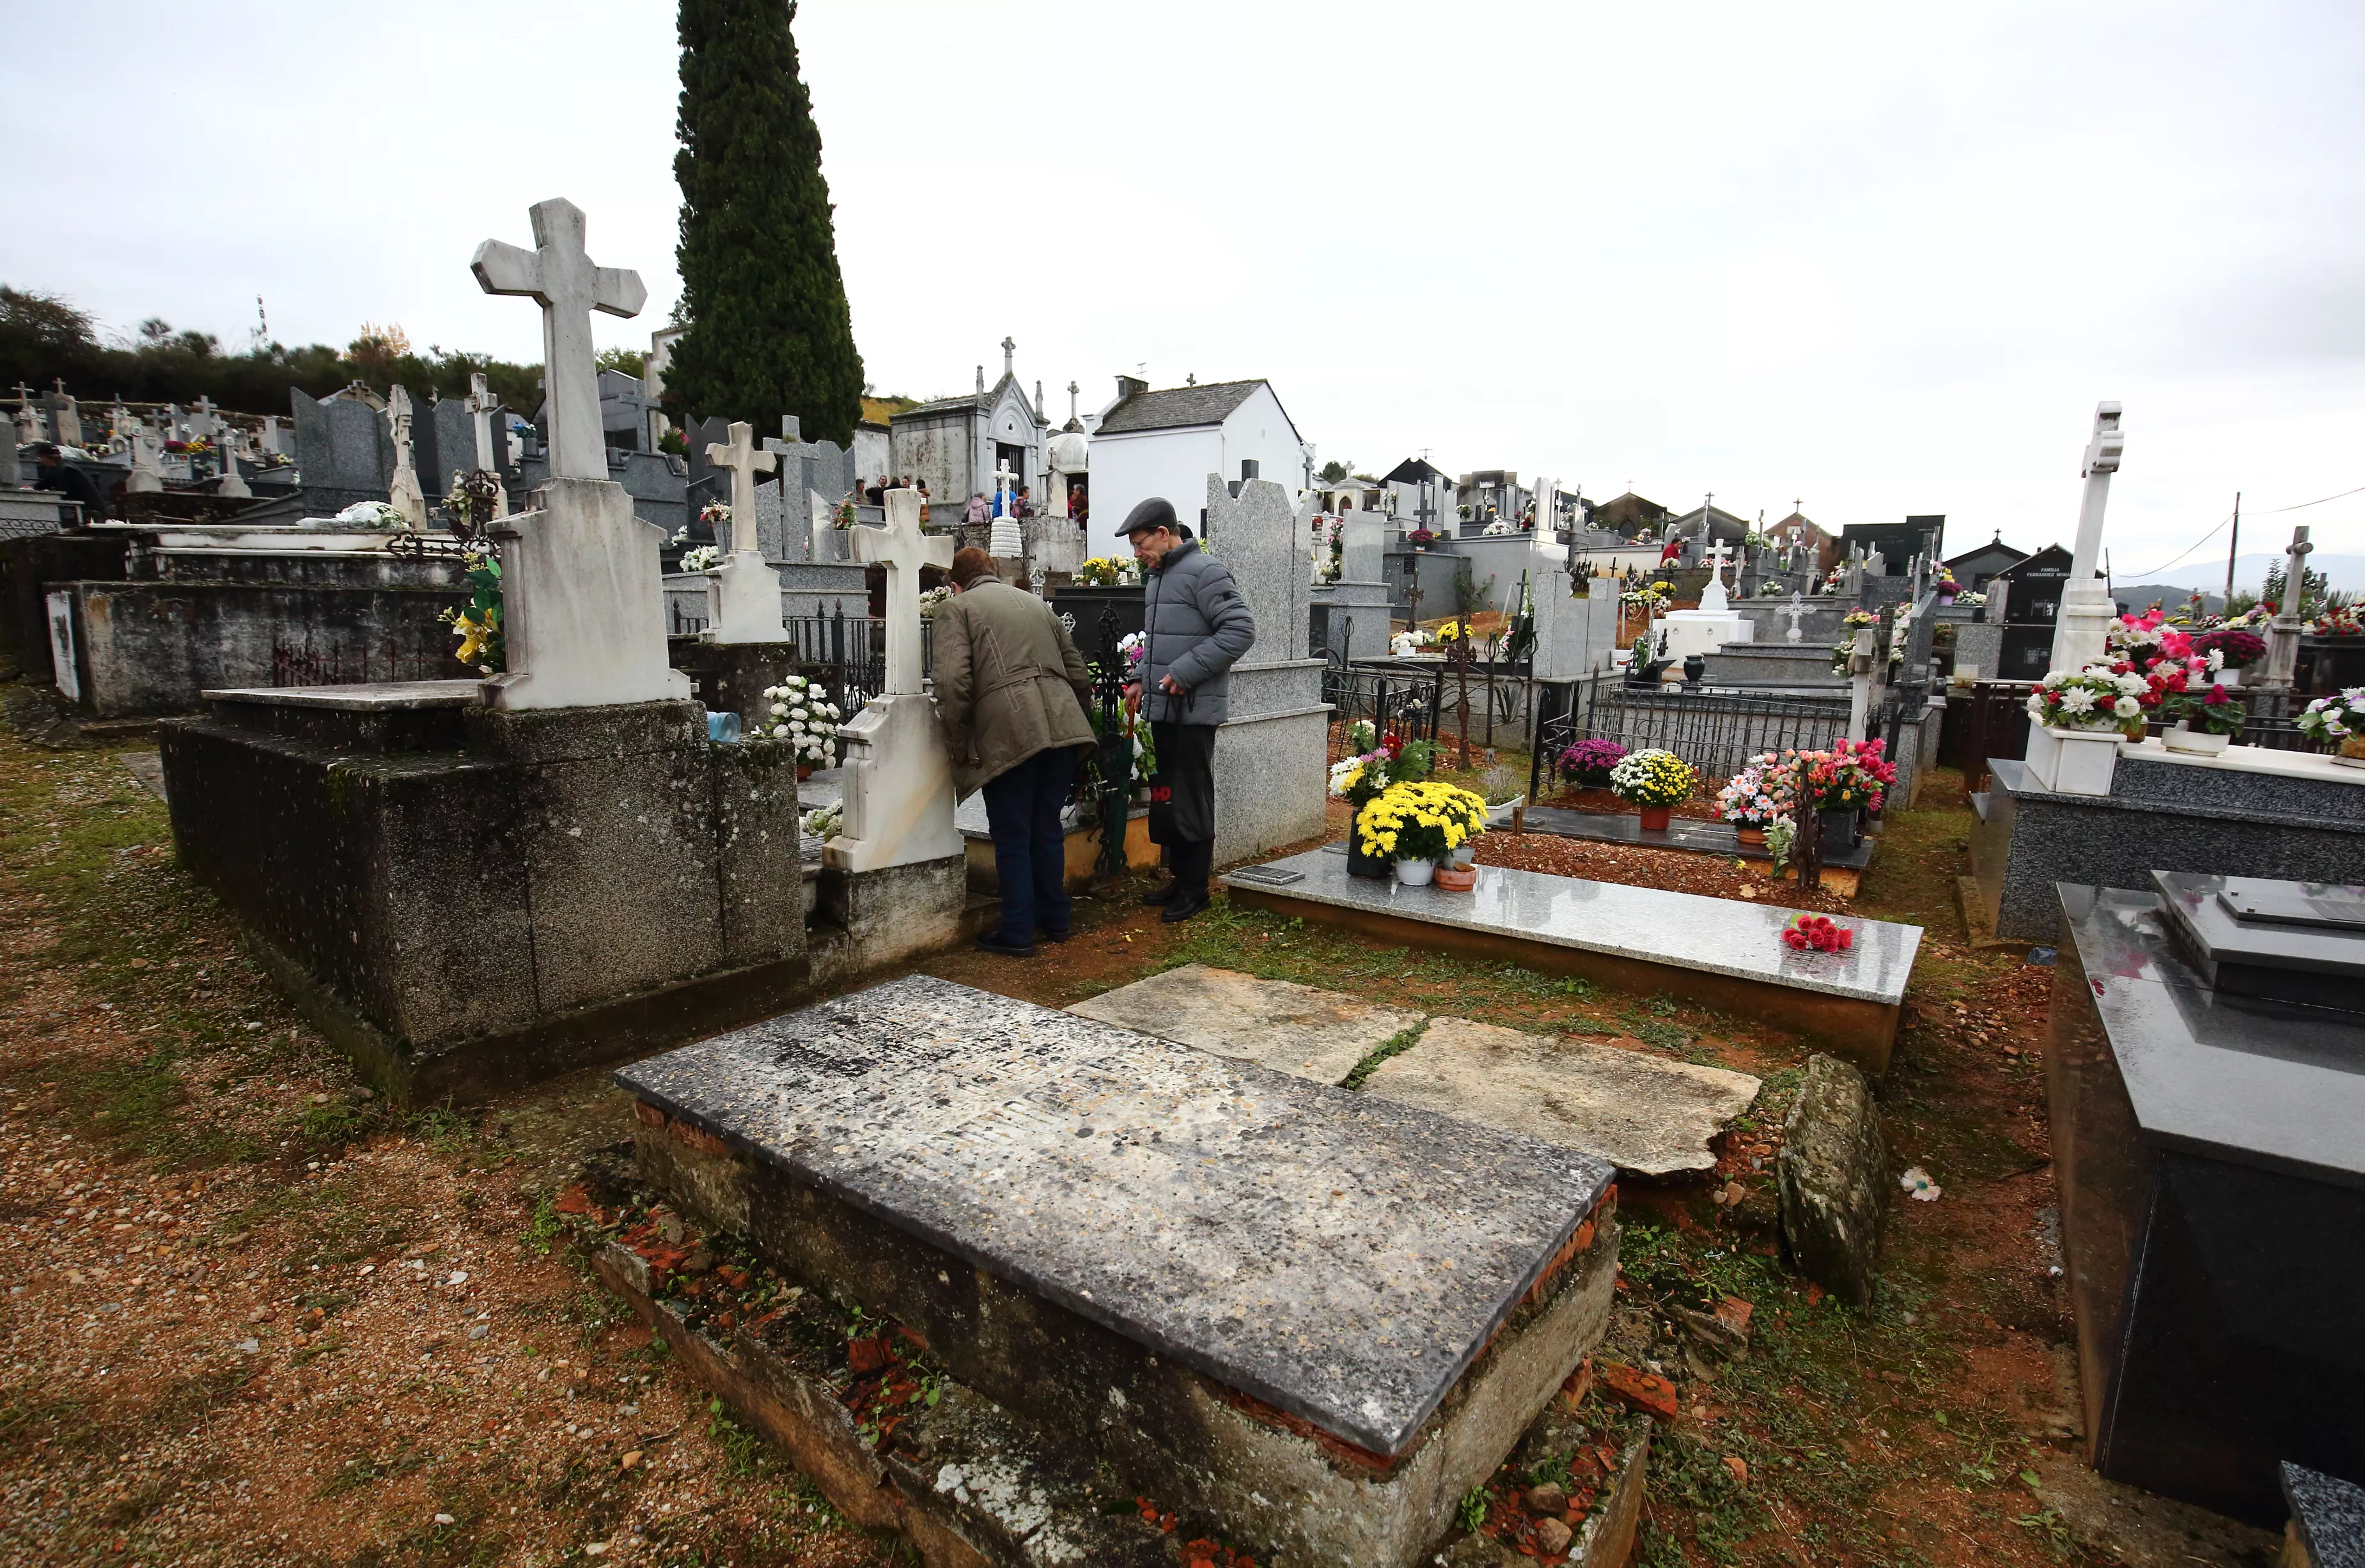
{"points": [[1318, 1318]]}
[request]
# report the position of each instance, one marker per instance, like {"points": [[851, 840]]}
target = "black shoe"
{"points": [[1161, 895], [992, 942], [1187, 901], [1051, 935]]}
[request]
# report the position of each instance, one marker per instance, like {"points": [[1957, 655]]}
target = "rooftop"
{"points": [[1177, 407]]}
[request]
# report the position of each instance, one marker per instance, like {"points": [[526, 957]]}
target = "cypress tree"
{"points": [[768, 332]]}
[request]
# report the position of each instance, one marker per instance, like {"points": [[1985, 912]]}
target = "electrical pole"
{"points": [[2232, 550]]}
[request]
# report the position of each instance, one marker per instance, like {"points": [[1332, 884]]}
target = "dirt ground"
{"points": [[253, 1314]]}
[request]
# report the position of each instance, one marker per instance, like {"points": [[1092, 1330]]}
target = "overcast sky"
{"points": [[1883, 259]]}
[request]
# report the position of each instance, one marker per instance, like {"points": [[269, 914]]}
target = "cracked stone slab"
{"points": [[1342, 1258], [1640, 1112], [1297, 1029]]}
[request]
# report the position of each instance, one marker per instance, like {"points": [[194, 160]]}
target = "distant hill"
{"points": [[2249, 571], [2140, 598]]}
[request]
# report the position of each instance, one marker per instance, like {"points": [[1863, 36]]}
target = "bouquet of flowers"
{"points": [[1757, 794], [1379, 765], [823, 822], [1971, 600], [1132, 646], [1832, 582], [1819, 932], [933, 600], [478, 625], [2340, 718], [802, 718], [1857, 618], [705, 558], [1770, 589], [2100, 697], [1422, 820], [1403, 645], [2232, 647], [1496, 529], [1652, 777], [1589, 761], [1330, 549], [1422, 538], [1648, 598], [1851, 774], [715, 514], [2339, 622], [2211, 711], [1110, 571], [1843, 657]]}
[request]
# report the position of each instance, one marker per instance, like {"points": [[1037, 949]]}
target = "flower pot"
{"points": [[804, 771], [1839, 828], [1654, 818], [2353, 748], [1945, 599], [1457, 879], [1748, 834], [1497, 815], [1416, 873], [1465, 853], [2200, 743], [2229, 677], [2083, 761], [1358, 864]]}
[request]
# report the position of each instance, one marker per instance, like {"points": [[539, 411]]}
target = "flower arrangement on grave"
{"points": [[933, 600], [1820, 932], [1329, 548], [2100, 697], [1110, 571], [1496, 529], [1404, 645], [1589, 761], [1463, 511], [2235, 647], [1379, 763], [470, 499], [844, 514], [1452, 632], [1901, 632], [1427, 820], [1780, 835], [716, 515], [1770, 589], [1854, 618], [478, 624], [2208, 709], [1852, 776], [823, 822], [1753, 797], [806, 721], [2336, 719], [1422, 538], [1948, 589], [1648, 596], [1972, 600], [1843, 657], [1652, 777], [2340, 620], [705, 558]]}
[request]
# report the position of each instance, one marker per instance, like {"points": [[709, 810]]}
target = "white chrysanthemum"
{"points": [[2132, 684], [2055, 678], [2077, 699], [2126, 707]]}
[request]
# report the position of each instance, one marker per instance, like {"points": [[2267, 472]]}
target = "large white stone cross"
{"points": [[557, 274], [1716, 559], [741, 455], [902, 549]]}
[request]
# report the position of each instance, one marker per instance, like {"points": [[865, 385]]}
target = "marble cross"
{"points": [[1716, 559], [558, 275], [1794, 609], [740, 457], [1005, 484], [902, 549]]}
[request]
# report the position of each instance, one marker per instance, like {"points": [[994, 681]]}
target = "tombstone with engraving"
{"points": [[454, 878]]}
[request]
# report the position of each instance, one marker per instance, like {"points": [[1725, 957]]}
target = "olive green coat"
{"points": [[1009, 681]]}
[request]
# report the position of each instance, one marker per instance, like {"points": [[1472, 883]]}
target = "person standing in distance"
{"points": [[1195, 627], [1010, 694]]}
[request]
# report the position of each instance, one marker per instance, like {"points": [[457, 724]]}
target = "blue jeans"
{"points": [[1030, 853]]}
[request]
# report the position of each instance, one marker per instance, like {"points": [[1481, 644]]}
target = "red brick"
{"points": [[1639, 1390]]}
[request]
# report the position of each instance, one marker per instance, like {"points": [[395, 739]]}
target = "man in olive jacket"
{"points": [[1195, 627], [1010, 691]]}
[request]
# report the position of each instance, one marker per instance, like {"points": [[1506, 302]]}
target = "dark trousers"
{"points": [[1186, 771], [1030, 853]]}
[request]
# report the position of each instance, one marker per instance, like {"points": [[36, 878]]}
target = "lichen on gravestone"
{"points": [[1832, 1172]]}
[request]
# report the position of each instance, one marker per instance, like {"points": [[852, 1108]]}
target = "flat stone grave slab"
{"points": [[1341, 1258], [1638, 1112], [1722, 953], [1297, 1029]]}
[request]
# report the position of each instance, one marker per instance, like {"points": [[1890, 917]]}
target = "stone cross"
{"points": [[66, 417], [1005, 484], [1008, 349], [902, 549], [202, 422], [1795, 608], [558, 275], [740, 457], [1716, 558], [2081, 626], [2283, 632], [403, 493]]}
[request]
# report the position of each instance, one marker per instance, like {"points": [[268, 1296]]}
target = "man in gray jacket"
{"points": [[1195, 627]]}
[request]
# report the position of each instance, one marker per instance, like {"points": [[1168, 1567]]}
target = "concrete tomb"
{"points": [[1311, 1033], [742, 592], [899, 781], [1315, 1318], [1271, 751]]}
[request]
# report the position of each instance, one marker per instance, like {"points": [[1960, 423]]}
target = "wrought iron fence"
{"points": [[846, 654], [1407, 705], [1715, 729]]}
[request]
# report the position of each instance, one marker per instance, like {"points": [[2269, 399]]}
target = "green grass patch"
{"points": [[1394, 1045]]}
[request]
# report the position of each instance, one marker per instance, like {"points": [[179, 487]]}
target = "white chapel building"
{"points": [[1166, 443]]}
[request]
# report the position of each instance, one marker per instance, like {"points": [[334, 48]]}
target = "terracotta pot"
{"points": [[1750, 835], [804, 771], [1654, 818], [1457, 879]]}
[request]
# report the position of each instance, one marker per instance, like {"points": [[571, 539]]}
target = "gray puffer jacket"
{"points": [[1195, 625]]}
